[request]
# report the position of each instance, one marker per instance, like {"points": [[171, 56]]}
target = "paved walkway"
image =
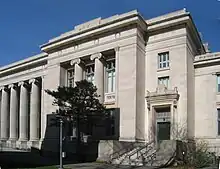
{"points": [[101, 166], [108, 166]]}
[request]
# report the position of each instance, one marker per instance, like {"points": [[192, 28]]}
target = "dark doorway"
{"points": [[163, 117], [163, 131]]}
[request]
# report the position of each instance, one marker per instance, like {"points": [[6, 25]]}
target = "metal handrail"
{"points": [[151, 148], [119, 154], [141, 148]]}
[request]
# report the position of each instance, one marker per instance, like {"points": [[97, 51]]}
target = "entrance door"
{"points": [[163, 131]]}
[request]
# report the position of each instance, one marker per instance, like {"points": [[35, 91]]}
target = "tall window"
{"points": [[110, 76], [163, 80], [163, 60], [218, 83], [90, 73], [70, 77], [218, 120]]}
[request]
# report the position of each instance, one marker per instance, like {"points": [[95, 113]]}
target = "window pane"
{"points": [[218, 127], [218, 79], [159, 58], [163, 80], [163, 60], [164, 57], [110, 73], [218, 83], [164, 64], [109, 84], [218, 111], [113, 82]]}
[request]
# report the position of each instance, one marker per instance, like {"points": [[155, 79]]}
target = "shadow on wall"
{"points": [[49, 153]]}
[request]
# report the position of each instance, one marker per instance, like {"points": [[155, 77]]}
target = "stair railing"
{"points": [[140, 149], [121, 152]]}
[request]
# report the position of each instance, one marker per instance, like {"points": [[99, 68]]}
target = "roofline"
{"points": [[209, 58], [100, 23], [167, 17], [39, 57], [164, 21]]}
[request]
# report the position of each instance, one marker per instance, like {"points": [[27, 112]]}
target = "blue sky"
{"points": [[26, 24]]}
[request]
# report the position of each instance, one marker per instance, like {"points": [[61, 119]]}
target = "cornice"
{"points": [[162, 94], [181, 17], [22, 77], [24, 63], [167, 17], [207, 59], [119, 22]]}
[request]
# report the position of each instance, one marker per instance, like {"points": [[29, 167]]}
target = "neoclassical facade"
{"points": [[156, 72]]}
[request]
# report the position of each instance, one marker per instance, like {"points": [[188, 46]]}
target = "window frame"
{"points": [[70, 78], [163, 60], [164, 77], [90, 74], [218, 83], [112, 71], [218, 121]]}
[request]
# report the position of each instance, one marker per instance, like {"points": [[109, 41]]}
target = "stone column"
{"points": [[116, 74], [43, 113], [23, 124], [99, 75], [78, 70], [4, 114], [34, 110], [13, 134]]}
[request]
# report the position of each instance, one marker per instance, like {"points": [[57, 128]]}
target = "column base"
{"points": [[33, 143], [11, 143], [22, 144], [3, 143]]}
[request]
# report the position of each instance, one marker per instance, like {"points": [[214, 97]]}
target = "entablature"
{"points": [[207, 59], [94, 29], [24, 65]]}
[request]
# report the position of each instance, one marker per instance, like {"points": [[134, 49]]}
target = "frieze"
{"points": [[207, 57]]}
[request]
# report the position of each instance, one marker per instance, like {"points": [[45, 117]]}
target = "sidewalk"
{"points": [[101, 166]]}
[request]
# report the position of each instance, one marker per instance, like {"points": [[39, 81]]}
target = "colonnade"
{"points": [[20, 111]]}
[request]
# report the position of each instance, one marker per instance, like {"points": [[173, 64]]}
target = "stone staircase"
{"points": [[149, 154]]}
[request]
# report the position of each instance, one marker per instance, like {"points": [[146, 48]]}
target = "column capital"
{"points": [[34, 81], [75, 61], [25, 84], [117, 49], [14, 86], [5, 88], [96, 55]]}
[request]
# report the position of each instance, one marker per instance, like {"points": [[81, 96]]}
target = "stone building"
{"points": [[151, 70]]}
